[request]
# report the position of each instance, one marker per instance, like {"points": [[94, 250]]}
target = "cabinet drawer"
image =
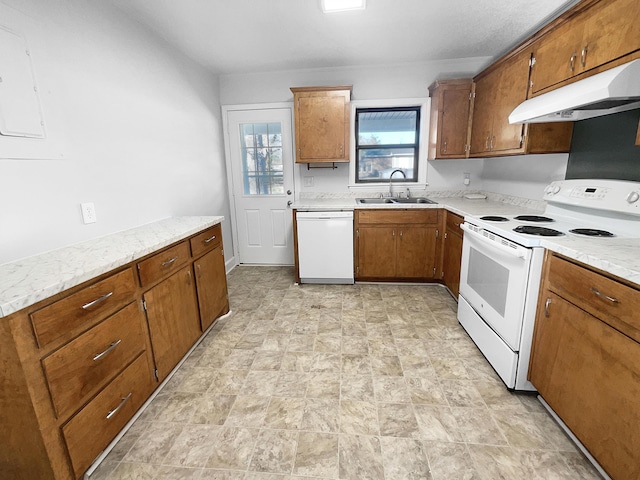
{"points": [[207, 240], [91, 430], [80, 368], [163, 263], [454, 221], [88, 305], [607, 299], [427, 216]]}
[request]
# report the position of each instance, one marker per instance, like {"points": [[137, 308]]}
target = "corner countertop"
{"points": [[617, 256], [27, 281]]}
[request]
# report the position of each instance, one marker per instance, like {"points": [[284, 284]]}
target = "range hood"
{"points": [[612, 91]]}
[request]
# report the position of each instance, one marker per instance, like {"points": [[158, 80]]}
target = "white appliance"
{"points": [[325, 247], [502, 263], [611, 91]]}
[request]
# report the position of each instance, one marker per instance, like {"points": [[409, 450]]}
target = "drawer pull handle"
{"points": [[111, 347], [169, 262], [115, 410], [210, 239], [596, 292], [86, 306], [546, 308]]}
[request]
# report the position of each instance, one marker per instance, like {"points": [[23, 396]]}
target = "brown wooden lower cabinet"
{"points": [[93, 427], [172, 312], [397, 244], [67, 388], [211, 281], [452, 252], [588, 371]]}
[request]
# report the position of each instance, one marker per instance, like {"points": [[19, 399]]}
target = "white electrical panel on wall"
{"points": [[20, 112]]}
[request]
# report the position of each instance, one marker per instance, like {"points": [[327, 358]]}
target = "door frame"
{"points": [[227, 154]]}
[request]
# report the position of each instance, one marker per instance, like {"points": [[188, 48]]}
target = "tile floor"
{"points": [[340, 382]]}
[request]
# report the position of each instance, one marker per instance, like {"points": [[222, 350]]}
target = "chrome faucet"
{"points": [[390, 176]]}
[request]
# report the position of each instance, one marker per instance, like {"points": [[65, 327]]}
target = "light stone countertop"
{"points": [[618, 256], [27, 281]]}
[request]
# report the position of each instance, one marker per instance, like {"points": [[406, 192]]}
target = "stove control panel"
{"points": [[613, 195]]}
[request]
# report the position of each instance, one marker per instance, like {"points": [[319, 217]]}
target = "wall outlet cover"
{"points": [[88, 213]]}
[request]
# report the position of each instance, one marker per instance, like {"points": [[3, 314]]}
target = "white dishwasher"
{"points": [[325, 247]]}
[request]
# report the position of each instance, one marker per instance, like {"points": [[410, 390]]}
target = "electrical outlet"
{"points": [[88, 213], [307, 181], [466, 178]]}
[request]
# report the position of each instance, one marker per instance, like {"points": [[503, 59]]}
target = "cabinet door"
{"points": [[211, 280], [172, 313], [481, 126], [511, 91], [557, 55], [454, 121], [610, 31], [377, 252], [451, 260], [415, 252], [322, 125], [588, 373]]}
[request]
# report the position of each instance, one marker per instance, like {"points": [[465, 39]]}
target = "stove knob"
{"points": [[633, 197], [552, 189]]}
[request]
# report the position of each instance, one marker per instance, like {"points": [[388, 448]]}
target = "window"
{"points": [[262, 158], [387, 139]]}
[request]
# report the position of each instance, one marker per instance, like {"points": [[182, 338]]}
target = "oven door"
{"points": [[493, 280]]}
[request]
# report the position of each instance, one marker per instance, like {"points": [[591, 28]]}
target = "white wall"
{"points": [[523, 176], [369, 83], [137, 125]]}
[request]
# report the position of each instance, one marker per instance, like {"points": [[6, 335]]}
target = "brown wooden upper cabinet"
{"points": [[450, 115], [594, 34], [497, 91], [322, 124]]}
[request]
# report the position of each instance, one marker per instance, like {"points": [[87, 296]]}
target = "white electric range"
{"points": [[502, 261]]}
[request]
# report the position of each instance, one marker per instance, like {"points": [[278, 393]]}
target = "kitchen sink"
{"points": [[396, 200], [414, 200], [375, 200]]}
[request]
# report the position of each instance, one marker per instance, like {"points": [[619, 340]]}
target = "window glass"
{"points": [[262, 158], [387, 139]]}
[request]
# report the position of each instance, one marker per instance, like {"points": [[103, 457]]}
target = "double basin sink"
{"points": [[396, 200]]}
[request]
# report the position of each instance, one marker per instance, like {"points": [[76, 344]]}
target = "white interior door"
{"points": [[260, 150]]}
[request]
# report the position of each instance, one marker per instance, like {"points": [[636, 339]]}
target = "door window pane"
{"points": [[262, 170]]}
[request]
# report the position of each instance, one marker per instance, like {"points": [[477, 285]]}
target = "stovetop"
{"points": [[576, 208]]}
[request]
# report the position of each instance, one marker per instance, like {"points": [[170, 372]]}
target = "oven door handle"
{"points": [[520, 252]]}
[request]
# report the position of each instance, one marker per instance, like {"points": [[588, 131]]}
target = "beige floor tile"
{"points": [[317, 455], [426, 391], [284, 413], [437, 423], [274, 451], [450, 461], [404, 458], [391, 389], [476, 425], [462, 393], [360, 457], [358, 417], [324, 385], [248, 411], [191, 447], [328, 343], [154, 443], [397, 420], [357, 387], [388, 365], [321, 415], [232, 448], [356, 364], [213, 409], [355, 346]]}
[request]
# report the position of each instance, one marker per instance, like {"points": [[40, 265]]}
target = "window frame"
{"points": [[423, 104], [415, 145]]}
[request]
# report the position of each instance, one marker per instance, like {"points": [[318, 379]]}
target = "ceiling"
{"points": [[247, 36]]}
